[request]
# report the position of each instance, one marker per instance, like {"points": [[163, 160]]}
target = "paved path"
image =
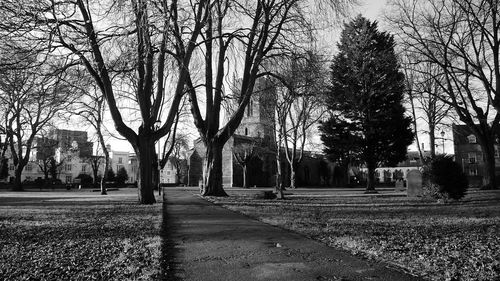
{"points": [[213, 243]]}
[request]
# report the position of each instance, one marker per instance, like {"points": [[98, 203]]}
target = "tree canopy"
{"points": [[365, 100]]}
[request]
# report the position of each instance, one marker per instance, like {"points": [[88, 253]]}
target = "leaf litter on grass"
{"points": [[457, 241], [115, 241]]}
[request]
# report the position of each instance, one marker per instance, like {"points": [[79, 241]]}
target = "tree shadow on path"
{"points": [[169, 252]]}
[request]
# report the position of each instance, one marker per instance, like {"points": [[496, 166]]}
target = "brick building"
{"points": [[469, 155]]}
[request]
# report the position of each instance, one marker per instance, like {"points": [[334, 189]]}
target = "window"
{"points": [[497, 154], [29, 168], [84, 168], [169, 166], [168, 173], [11, 167], [69, 158], [120, 160], [471, 139], [250, 108], [246, 131], [472, 158], [28, 179], [472, 171], [68, 167], [68, 179]]}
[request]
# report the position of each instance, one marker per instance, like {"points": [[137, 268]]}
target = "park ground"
{"points": [[81, 235]]}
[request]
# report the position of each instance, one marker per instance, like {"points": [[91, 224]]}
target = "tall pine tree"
{"points": [[367, 119]]}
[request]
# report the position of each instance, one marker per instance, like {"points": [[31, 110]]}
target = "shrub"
{"points": [[121, 176], [110, 175], [39, 182], [86, 180], [448, 176]]}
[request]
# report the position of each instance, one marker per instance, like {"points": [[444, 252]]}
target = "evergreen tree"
{"points": [[367, 119], [4, 168], [121, 176], [110, 175]]}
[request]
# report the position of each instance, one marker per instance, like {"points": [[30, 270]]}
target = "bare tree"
{"points": [[115, 36], [91, 108], [240, 35], [244, 153], [4, 146], [299, 104], [95, 162], [178, 156], [45, 153], [32, 96], [462, 39], [424, 96]]}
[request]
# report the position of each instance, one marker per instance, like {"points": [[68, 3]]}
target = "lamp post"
{"points": [[442, 138]]}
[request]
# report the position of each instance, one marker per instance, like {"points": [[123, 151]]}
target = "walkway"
{"points": [[213, 243]]}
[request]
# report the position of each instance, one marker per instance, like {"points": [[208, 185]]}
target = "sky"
{"points": [[371, 9]]}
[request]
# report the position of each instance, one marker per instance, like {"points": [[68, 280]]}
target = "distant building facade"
{"points": [[389, 175], [72, 151], [257, 128], [469, 155]]}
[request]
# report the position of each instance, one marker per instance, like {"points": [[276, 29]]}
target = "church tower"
{"points": [[259, 117]]}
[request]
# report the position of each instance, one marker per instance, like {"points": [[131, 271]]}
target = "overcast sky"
{"points": [[371, 9]]}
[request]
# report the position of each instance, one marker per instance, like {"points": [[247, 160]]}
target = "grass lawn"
{"points": [[454, 241], [76, 235]]}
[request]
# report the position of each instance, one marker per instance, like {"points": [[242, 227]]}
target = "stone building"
{"points": [[257, 130]]}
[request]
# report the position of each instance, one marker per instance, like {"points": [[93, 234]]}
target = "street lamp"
{"points": [[442, 138]]}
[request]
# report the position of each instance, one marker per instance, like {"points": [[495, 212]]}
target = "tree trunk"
{"points": [[347, 175], [18, 184], [432, 140], [94, 173], [278, 188], [212, 184], [489, 179], [103, 178], [145, 152], [245, 183], [370, 183], [156, 173], [46, 181], [292, 177], [106, 157]]}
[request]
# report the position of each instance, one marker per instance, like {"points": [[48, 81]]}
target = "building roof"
{"points": [[461, 132]]}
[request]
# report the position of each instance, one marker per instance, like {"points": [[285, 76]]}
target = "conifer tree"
{"points": [[365, 101]]}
